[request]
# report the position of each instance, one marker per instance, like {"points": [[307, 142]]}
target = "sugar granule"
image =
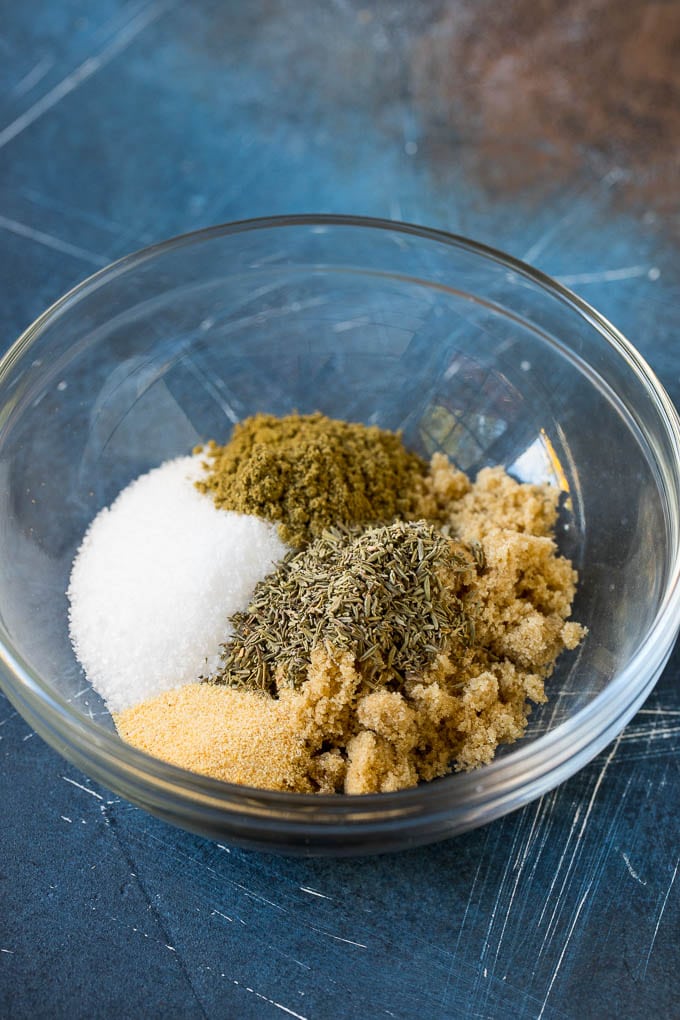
{"points": [[155, 580]]}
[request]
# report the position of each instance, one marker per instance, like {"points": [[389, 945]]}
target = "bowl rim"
{"points": [[543, 761]]}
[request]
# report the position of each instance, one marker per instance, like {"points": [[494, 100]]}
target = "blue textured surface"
{"points": [[123, 123]]}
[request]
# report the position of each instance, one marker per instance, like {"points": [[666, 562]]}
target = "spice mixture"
{"points": [[405, 634]]}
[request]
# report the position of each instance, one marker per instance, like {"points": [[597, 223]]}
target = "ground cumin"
{"points": [[308, 472], [334, 734]]}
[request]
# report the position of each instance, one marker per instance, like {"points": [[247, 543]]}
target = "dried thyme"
{"points": [[388, 595], [309, 472]]}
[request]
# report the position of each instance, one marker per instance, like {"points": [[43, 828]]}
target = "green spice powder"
{"points": [[308, 472], [389, 595]]}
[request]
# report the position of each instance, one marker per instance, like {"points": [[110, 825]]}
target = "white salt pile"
{"points": [[154, 581]]}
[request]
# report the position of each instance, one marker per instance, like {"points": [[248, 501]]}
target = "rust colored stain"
{"points": [[530, 88]]}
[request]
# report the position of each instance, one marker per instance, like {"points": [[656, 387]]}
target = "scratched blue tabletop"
{"points": [[548, 130]]}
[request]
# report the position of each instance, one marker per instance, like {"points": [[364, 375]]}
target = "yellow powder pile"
{"points": [[334, 734]]}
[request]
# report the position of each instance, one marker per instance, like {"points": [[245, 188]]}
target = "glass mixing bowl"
{"points": [[463, 348]]}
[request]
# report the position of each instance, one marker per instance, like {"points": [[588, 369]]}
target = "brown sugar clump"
{"points": [[493, 501]]}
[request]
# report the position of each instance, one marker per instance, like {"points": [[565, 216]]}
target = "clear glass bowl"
{"points": [[463, 348]]}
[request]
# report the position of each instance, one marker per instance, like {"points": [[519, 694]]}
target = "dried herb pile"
{"points": [[389, 595], [310, 472]]}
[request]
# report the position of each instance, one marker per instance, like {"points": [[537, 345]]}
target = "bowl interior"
{"points": [[461, 352]]}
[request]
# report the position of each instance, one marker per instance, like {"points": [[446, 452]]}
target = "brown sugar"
{"points": [[335, 733]]}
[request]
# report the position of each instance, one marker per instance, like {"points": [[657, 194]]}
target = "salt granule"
{"points": [[155, 579]]}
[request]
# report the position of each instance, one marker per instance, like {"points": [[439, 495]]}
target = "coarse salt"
{"points": [[156, 578]]}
